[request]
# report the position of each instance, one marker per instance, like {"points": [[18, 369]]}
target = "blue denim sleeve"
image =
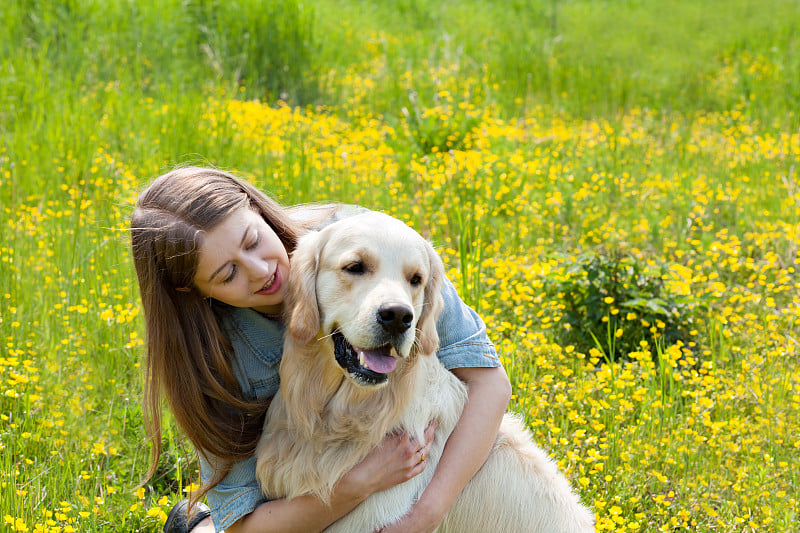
{"points": [[235, 496], [463, 341]]}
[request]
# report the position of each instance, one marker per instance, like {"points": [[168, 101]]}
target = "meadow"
{"points": [[612, 185]]}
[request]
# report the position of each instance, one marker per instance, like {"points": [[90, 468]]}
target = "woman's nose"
{"points": [[257, 268]]}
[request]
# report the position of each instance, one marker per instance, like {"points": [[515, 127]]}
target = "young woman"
{"points": [[212, 255]]}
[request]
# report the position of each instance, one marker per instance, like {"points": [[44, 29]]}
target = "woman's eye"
{"points": [[255, 242], [354, 268], [231, 275], [415, 280]]}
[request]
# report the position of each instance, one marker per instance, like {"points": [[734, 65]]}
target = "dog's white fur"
{"points": [[324, 420]]}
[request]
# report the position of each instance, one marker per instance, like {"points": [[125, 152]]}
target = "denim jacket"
{"points": [[257, 344]]}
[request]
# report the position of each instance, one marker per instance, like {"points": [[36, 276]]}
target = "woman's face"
{"points": [[243, 263]]}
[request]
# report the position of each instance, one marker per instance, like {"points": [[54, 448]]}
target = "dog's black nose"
{"points": [[395, 318]]}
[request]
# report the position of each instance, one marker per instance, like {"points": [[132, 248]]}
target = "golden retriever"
{"points": [[359, 361]]}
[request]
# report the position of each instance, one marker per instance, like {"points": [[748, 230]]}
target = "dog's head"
{"points": [[371, 286]]}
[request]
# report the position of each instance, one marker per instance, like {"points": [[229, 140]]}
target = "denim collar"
{"points": [[250, 331]]}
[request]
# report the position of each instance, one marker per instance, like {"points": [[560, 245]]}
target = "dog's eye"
{"points": [[354, 268], [415, 280]]}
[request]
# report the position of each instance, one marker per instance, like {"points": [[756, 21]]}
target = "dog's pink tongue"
{"points": [[378, 361]]}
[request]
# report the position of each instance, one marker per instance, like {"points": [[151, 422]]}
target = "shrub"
{"points": [[613, 302]]}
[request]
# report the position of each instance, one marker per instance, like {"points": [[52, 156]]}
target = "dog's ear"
{"points": [[304, 384], [304, 320], [307, 384], [427, 336]]}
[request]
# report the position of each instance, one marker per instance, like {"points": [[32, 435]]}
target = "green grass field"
{"points": [[613, 185]]}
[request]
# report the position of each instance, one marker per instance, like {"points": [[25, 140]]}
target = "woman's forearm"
{"points": [[304, 513]]}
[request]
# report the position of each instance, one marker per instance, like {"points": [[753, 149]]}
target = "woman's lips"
{"points": [[272, 284]]}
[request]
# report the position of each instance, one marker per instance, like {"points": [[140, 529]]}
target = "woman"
{"points": [[212, 256]]}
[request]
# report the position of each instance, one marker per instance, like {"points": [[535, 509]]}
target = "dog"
{"points": [[359, 362]]}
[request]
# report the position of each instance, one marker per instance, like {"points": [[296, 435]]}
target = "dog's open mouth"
{"points": [[369, 366]]}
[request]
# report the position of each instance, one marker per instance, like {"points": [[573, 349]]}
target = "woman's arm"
{"points": [[466, 449], [394, 461]]}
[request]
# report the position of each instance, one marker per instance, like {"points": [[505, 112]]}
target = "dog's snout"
{"points": [[395, 318]]}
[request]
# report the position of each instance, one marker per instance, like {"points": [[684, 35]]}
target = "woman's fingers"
{"points": [[398, 458], [431, 430]]}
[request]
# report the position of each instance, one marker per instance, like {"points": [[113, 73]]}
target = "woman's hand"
{"points": [[396, 459]]}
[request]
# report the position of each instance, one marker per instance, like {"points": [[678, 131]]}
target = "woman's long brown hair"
{"points": [[188, 356]]}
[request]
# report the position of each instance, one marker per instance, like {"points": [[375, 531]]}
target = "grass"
{"points": [[521, 139]]}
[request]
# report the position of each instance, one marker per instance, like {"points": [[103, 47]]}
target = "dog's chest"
{"points": [[440, 396]]}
